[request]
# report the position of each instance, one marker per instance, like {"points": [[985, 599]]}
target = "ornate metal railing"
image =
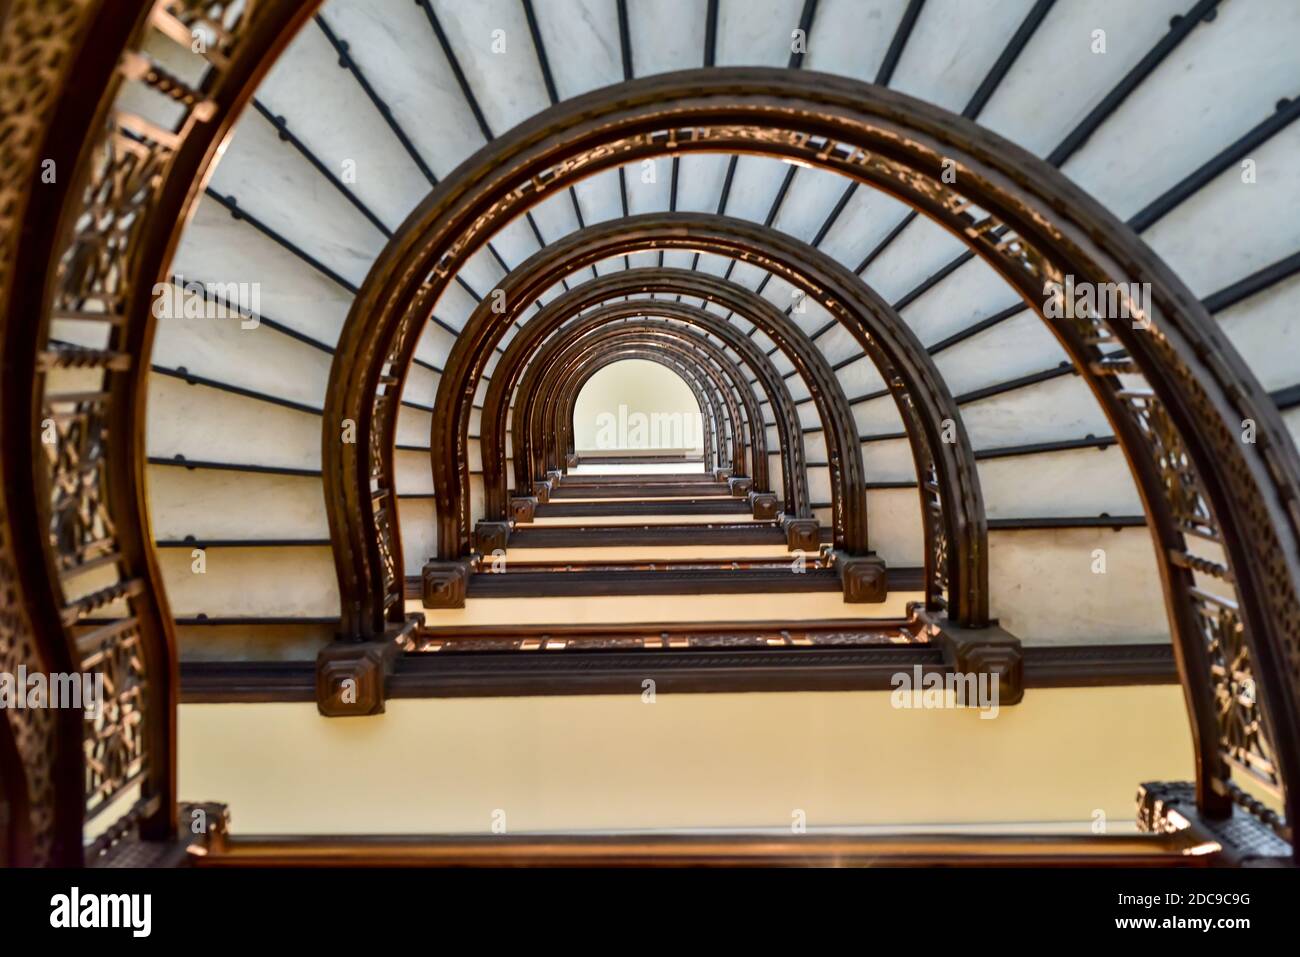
{"points": [[954, 526], [1222, 511], [78, 335]]}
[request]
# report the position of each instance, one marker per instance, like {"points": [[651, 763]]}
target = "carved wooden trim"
{"points": [[517, 579], [668, 578], [676, 506], [579, 480], [646, 489], [1250, 835], [989, 650], [501, 668], [1176, 849], [41, 44], [711, 533], [865, 578]]}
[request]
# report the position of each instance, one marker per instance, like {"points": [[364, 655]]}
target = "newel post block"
{"points": [[722, 475], [740, 485], [204, 827], [863, 578], [491, 537], [989, 650], [765, 505], [351, 677], [444, 584], [571, 460], [1246, 832], [542, 491], [523, 508], [802, 534]]}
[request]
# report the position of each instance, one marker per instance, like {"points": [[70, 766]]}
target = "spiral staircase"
{"points": [[311, 356]]}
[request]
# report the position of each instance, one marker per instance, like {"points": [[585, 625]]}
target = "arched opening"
{"points": [[361, 405], [635, 407]]}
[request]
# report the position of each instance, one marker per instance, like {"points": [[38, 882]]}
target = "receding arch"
{"points": [[718, 405], [595, 328], [786, 421], [612, 353], [581, 365], [703, 386], [1174, 390], [668, 426], [948, 483], [715, 434], [542, 420], [450, 422]]}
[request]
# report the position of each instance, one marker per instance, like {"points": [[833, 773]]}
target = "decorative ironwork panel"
{"points": [[1177, 474], [38, 41], [116, 756], [102, 272], [1241, 724], [128, 165], [93, 291], [81, 529]]}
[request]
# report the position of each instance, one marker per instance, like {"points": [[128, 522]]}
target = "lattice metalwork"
{"points": [[385, 540], [1242, 736], [85, 380], [81, 528], [95, 280], [116, 753], [38, 45], [129, 162]]}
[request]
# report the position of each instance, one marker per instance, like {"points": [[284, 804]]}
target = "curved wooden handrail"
{"points": [[96, 243]]}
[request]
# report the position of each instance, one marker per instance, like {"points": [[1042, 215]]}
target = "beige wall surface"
{"points": [[613, 762], [645, 388]]}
